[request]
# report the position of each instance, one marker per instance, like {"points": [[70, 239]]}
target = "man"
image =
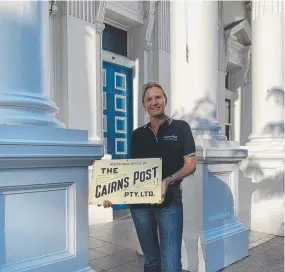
{"points": [[172, 141]]}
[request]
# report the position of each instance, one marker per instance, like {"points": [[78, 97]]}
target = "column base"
{"points": [[44, 198], [262, 186], [217, 248], [213, 238], [28, 109]]}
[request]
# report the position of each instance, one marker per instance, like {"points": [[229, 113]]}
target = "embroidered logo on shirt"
{"points": [[170, 138]]}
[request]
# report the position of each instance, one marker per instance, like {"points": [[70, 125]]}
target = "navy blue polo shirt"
{"points": [[174, 141]]}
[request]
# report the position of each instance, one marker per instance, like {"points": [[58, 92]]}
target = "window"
{"points": [[227, 80], [228, 129], [115, 40]]}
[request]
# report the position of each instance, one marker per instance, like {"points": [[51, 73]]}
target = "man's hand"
{"points": [[107, 204], [164, 185]]}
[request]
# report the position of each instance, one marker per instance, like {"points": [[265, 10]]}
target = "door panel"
{"points": [[117, 109]]}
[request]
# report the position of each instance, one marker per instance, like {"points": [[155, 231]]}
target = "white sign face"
{"points": [[134, 181]]}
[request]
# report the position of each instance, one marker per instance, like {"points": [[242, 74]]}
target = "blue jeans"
{"points": [[162, 223]]}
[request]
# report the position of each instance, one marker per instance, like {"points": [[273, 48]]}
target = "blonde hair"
{"points": [[152, 84]]}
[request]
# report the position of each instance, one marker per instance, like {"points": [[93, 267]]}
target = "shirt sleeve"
{"points": [[189, 148]]}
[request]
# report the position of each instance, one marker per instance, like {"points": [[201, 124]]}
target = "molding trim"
{"points": [[243, 28], [150, 25], [115, 24], [228, 40], [263, 7], [100, 15], [127, 8], [222, 52], [43, 146], [220, 155], [162, 26], [237, 39], [247, 62], [99, 28], [117, 59], [53, 8], [17, 108], [229, 94], [84, 10], [248, 5]]}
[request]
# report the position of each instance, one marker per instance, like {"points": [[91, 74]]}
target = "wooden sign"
{"points": [[134, 181]]}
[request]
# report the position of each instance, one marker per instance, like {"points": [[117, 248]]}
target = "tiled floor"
{"points": [[113, 247], [266, 257]]}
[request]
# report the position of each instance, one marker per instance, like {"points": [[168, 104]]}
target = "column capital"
{"points": [[265, 7]]}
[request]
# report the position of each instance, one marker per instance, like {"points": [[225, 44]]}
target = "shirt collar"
{"points": [[167, 121]]}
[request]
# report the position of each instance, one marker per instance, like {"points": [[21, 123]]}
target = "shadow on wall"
{"points": [[275, 96], [218, 209], [204, 111], [266, 185], [265, 188], [209, 203]]}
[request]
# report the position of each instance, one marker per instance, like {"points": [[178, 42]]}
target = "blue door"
{"points": [[117, 109], [117, 112]]}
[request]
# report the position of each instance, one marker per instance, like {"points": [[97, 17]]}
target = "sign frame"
{"points": [[126, 181]]}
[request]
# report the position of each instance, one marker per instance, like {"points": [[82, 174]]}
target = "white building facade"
{"points": [[172, 42], [222, 66]]}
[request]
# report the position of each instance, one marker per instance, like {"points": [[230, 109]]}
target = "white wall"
{"points": [[80, 71], [143, 71], [78, 90]]}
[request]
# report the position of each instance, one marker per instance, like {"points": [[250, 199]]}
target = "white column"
{"points": [[264, 167], [24, 67], [161, 50], [195, 23], [268, 69], [43, 166], [213, 238]]}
